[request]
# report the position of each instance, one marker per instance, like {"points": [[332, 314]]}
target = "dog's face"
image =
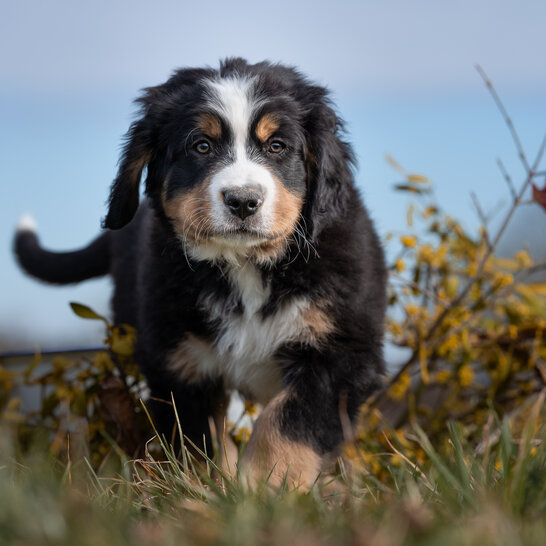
{"points": [[240, 161], [237, 183]]}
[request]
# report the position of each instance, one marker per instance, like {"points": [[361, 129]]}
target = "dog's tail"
{"points": [[60, 267]]}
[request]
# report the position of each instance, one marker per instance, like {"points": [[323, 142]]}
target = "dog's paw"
{"points": [[294, 466]]}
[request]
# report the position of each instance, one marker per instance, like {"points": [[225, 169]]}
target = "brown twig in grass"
{"points": [[414, 466]]}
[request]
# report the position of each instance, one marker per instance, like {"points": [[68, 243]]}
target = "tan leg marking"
{"points": [[269, 455], [266, 127]]}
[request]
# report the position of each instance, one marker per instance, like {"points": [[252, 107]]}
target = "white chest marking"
{"points": [[245, 344]]}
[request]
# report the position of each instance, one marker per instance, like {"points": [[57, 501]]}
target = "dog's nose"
{"points": [[243, 202]]}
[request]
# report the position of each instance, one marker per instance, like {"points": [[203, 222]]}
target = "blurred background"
{"points": [[401, 73]]}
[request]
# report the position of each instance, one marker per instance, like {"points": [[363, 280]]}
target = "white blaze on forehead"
{"points": [[235, 101]]}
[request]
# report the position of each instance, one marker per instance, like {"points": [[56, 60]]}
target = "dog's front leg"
{"points": [[301, 430], [273, 454]]}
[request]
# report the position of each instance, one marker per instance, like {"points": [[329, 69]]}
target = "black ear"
{"points": [[124, 192], [159, 107], [329, 160]]}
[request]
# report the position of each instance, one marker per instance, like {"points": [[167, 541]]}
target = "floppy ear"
{"points": [[329, 160], [159, 104], [124, 192]]}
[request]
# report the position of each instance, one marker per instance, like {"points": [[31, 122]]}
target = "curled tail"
{"points": [[60, 267]]}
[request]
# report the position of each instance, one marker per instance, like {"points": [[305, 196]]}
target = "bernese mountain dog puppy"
{"points": [[252, 264]]}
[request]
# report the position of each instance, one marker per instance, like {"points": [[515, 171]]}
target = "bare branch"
{"points": [[538, 158], [528, 271], [482, 216], [506, 117], [517, 201], [507, 178], [430, 295]]}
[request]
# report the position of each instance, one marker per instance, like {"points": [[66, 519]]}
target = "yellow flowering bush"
{"points": [[87, 407], [473, 328]]}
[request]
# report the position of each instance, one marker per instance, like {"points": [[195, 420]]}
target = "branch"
{"points": [[506, 117], [482, 217], [507, 178]]}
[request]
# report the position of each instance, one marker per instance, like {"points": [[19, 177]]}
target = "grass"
{"points": [[457, 494]]}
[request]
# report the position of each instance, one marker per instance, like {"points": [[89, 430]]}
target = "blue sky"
{"points": [[402, 74]]}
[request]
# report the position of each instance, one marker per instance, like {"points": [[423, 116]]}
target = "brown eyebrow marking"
{"points": [[267, 125], [210, 125]]}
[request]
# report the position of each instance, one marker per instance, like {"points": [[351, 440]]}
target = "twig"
{"points": [[505, 115], [482, 217], [413, 465], [507, 178], [420, 289], [541, 266]]}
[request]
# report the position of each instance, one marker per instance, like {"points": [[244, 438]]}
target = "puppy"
{"points": [[251, 265]]}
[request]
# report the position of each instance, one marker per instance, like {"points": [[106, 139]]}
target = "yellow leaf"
{"points": [[507, 263], [409, 241], [430, 211], [452, 287], [394, 164], [442, 376], [86, 312], [538, 288], [503, 279], [399, 388], [466, 375], [417, 178], [523, 258], [123, 340]]}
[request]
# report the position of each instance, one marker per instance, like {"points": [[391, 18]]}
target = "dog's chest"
{"points": [[244, 344]]}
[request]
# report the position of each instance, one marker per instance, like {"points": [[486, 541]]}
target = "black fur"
{"points": [[334, 256]]}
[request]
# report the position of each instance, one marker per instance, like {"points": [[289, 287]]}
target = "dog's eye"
{"points": [[202, 147], [276, 147]]}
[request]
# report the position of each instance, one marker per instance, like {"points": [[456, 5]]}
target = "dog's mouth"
{"points": [[235, 243], [244, 235]]}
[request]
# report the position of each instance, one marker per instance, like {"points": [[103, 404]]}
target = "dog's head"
{"points": [[241, 160]]}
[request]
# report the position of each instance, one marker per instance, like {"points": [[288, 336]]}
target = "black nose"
{"points": [[243, 202]]}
